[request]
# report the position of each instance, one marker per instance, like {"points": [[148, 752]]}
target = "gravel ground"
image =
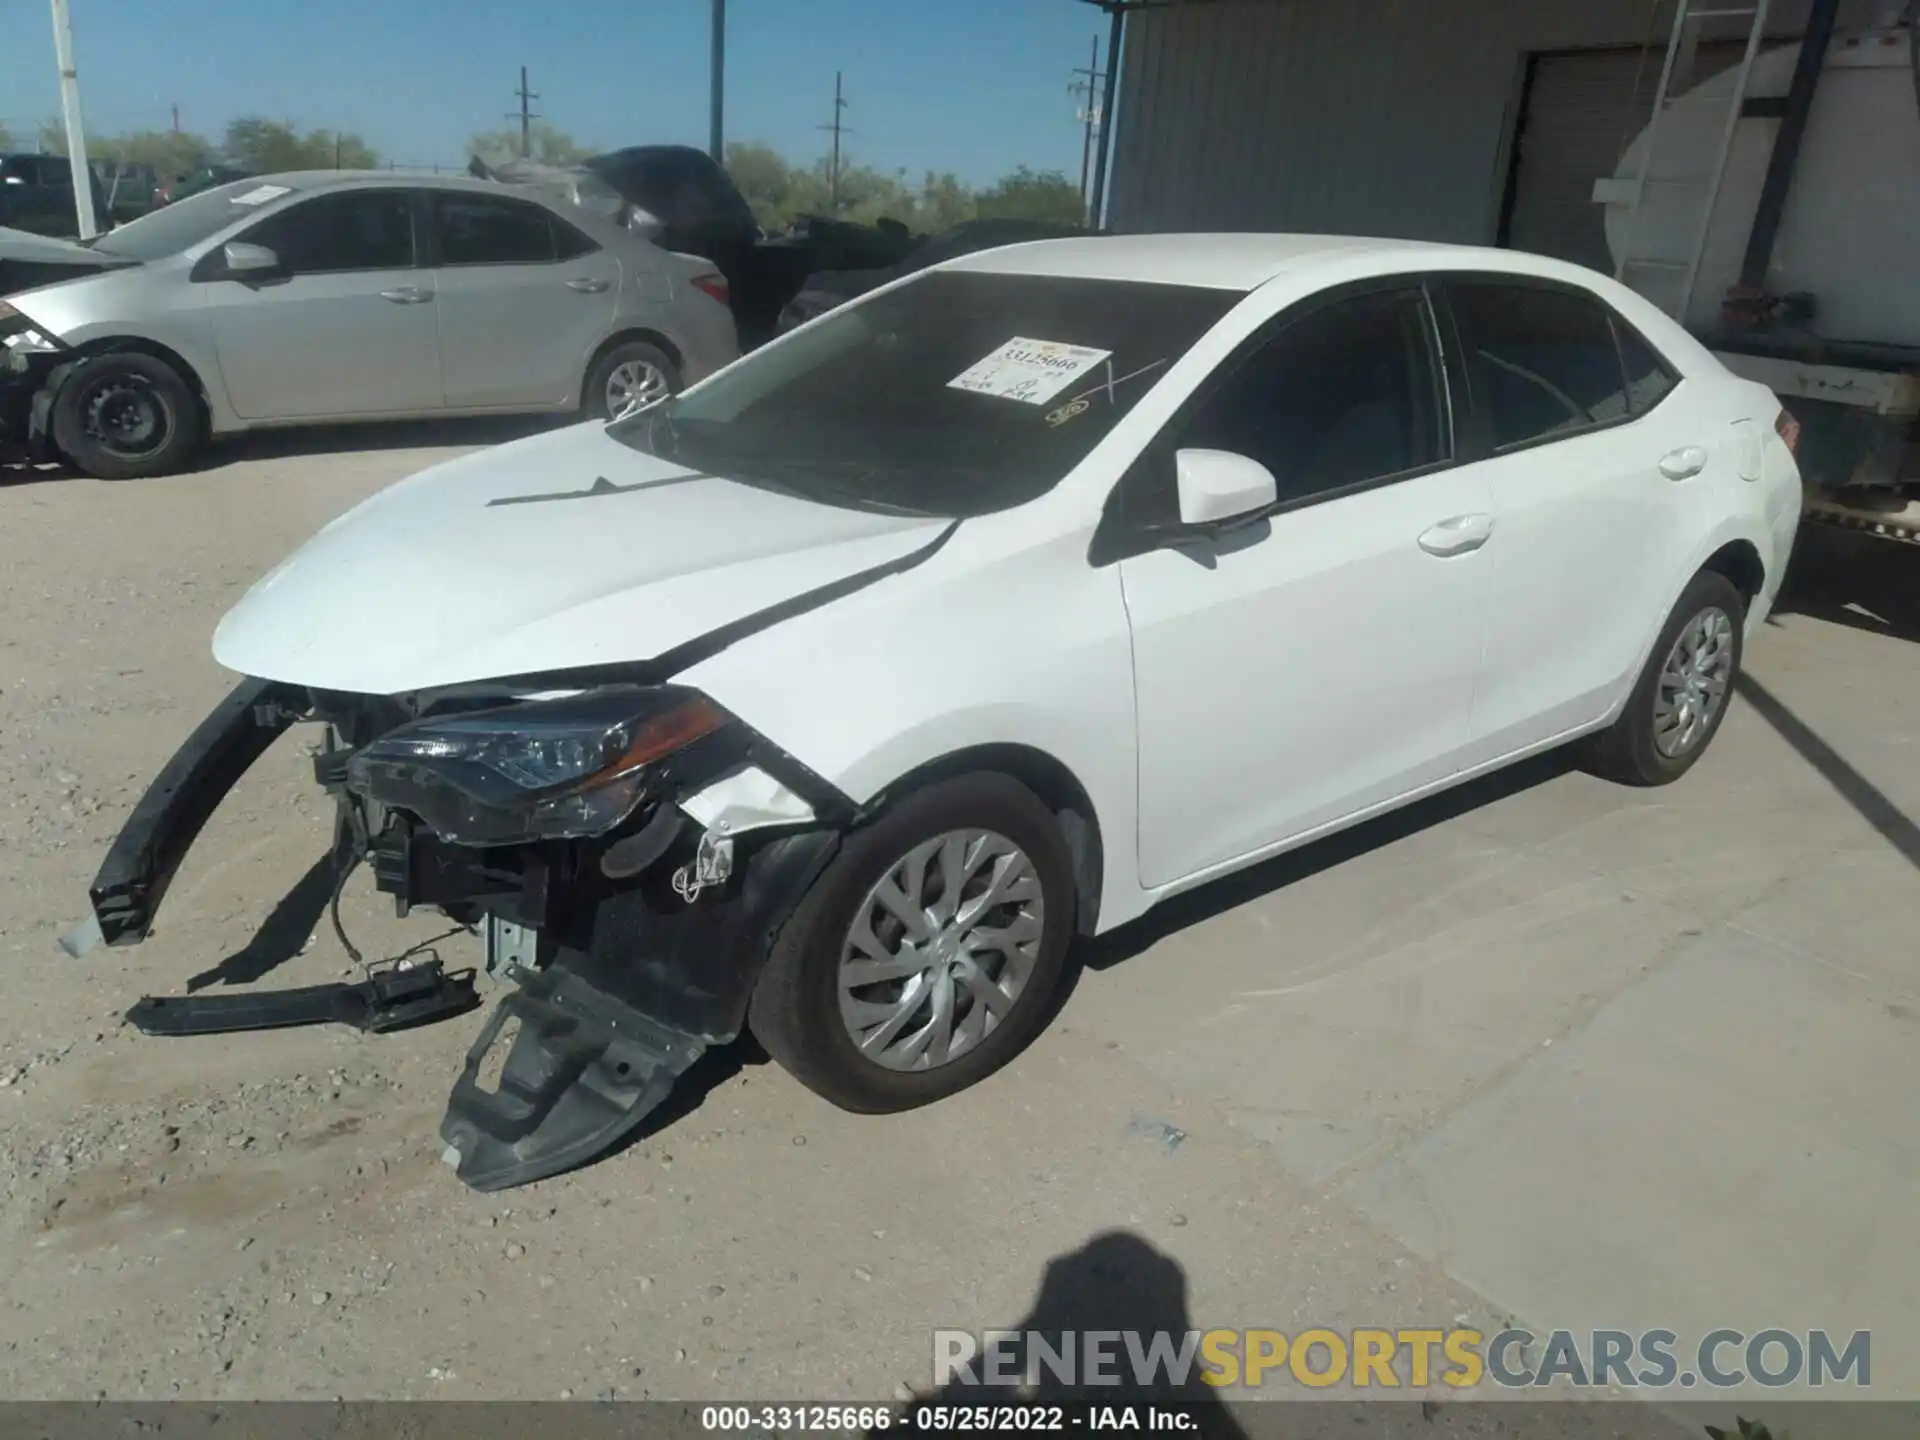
{"points": [[266, 1216]]}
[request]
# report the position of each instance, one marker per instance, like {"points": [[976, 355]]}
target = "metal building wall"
{"points": [[1386, 117]]}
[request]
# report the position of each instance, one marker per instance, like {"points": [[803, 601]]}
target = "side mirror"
{"points": [[1217, 485], [243, 259]]}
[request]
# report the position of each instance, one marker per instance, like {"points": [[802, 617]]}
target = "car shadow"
{"points": [[18, 468], [281, 936], [305, 440], [1861, 581], [1182, 911]]}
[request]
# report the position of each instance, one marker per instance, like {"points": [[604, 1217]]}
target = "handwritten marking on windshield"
{"points": [[1083, 402], [601, 486]]}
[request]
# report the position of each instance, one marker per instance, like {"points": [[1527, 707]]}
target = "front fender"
{"points": [[973, 649]]}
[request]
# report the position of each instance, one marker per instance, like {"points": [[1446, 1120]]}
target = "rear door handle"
{"points": [[1684, 463], [407, 295], [1458, 535], [588, 286]]}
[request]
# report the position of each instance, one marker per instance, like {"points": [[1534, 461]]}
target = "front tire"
{"points": [[926, 956], [1681, 696], [127, 416], [629, 377]]}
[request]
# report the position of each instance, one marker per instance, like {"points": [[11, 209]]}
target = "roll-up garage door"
{"points": [[1581, 110]]}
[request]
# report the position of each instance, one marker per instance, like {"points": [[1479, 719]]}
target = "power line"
{"points": [[527, 117]]}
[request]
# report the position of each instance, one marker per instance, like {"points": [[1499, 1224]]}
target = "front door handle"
{"points": [[407, 295], [1684, 463], [587, 286], [1458, 535]]}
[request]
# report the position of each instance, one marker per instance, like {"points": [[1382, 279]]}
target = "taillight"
{"points": [[1788, 429], [714, 285]]}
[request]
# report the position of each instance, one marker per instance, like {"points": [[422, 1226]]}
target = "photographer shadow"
{"points": [[1117, 1281]]}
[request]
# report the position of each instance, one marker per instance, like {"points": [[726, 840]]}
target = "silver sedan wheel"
{"points": [[1693, 683], [940, 949], [633, 385]]}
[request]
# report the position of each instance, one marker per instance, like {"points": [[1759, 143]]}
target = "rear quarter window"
{"points": [[1546, 362]]}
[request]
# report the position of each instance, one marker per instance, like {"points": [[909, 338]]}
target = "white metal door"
{"points": [[1324, 664], [1296, 670]]}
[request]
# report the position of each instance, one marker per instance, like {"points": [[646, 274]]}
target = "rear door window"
{"points": [[492, 230], [1542, 359], [351, 230]]}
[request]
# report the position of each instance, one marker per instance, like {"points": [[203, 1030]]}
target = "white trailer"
{"points": [[1775, 210]]}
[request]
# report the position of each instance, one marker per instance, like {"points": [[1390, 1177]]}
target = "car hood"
{"points": [[29, 261], [566, 550]]}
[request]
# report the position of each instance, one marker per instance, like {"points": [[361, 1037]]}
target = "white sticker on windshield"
{"points": [[1030, 370], [261, 194]]}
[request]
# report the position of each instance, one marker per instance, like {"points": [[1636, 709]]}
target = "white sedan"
{"points": [[833, 698]]}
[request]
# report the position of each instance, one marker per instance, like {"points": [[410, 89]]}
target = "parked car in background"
{"points": [[353, 295], [132, 188], [836, 697], [194, 181], [824, 291], [36, 195]]}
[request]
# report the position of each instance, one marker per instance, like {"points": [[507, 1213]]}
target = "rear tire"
{"points": [[632, 373], [1682, 694], [809, 1006], [127, 415]]}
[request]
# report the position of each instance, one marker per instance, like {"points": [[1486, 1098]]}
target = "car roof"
{"points": [[1241, 262], [413, 179]]}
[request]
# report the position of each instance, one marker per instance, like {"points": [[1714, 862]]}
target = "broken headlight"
{"points": [[538, 770]]}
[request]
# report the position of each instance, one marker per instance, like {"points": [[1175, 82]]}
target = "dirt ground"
{"points": [[1546, 1050]]}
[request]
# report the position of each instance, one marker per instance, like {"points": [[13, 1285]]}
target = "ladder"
{"points": [[1658, 273]]}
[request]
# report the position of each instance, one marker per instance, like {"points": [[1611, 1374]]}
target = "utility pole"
{"points": [[1090, 116], [76, 130], [1116, 30], [176, 117], [527, 117], [833, 174], [717, 84]]}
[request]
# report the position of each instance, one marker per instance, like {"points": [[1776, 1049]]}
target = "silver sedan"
{"points": [[330, 296]]}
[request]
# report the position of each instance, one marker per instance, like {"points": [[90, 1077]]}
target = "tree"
{"points": [[764, 179], [170, 153], [1026, 194], [548, 145], [943, 202], [256, 143]]}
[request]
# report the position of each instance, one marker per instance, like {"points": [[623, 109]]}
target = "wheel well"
{"points": [[143, 346], [1058, 788], [613, 342], [1740, 562]]}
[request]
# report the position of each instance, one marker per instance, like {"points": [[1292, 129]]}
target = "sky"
{"points": [[972, 86]]}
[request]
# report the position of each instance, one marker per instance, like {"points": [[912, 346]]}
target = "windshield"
{"points": [[173, 228], [957, 394]]}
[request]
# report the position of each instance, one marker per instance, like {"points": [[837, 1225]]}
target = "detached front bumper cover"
{"points": [[638, 979], [133, 880]]}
